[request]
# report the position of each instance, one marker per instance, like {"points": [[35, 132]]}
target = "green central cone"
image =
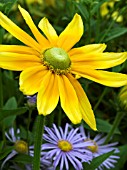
{"points": [[57, 58]]}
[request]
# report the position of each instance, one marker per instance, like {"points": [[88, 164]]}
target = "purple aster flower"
{"points": [[31, 100], [100, 148], [20, 145], [66, 146]]}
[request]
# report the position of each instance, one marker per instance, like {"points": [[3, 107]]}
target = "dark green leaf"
{"points": [[96, 162], [104, 126], [123, 157], [6, 151], [116, 32], [5, 113], [22, 158], [10, 104], [6, 5]]}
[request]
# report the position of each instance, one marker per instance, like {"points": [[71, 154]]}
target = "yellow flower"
{"points": [[49, 65], [104, 10]]}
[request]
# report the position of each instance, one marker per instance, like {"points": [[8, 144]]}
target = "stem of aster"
{"points": [[39, 129], [116, 123], [28, 125], [100, 99], [59, 116]]}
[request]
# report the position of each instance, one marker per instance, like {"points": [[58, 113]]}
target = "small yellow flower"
{"points": [[104, 10], [49, 64]]}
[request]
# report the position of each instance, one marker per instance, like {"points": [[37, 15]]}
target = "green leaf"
{"points": [[96, 162], [2, 31], [23, 158], [83, 11], [1, 145], [114, 33], [123, 157], [6, 5], [104, 126], [10, 104], [5, 113], [6, 151]]}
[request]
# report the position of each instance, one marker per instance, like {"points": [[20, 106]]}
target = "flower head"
{"points": [[49, 65], [100, 148], [20, 146], [105, 10], [66, 146]]}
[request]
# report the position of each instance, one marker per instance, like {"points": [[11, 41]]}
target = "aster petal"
{"points": [[17, 32], [106, 78], [85, 107], [91, 48], [99, 60], [18, 62], [31, 78], [72, 33], [18, 49], [11, 155], [69, 100], [48, 30], [39, 37], [57, 158], [48, 95]]}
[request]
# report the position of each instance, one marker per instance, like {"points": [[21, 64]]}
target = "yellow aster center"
{"points": [[21, 146], [94, 147], [65, 145], [57, 60]]}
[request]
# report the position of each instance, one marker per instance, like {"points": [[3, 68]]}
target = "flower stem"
{"points": [[100, 99], [116, 123], [1, 90], [59, 116], [39, 129], [28, 124]]}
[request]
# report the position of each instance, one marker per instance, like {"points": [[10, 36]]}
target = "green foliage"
{"points": [[6, 5], [97, 161]]}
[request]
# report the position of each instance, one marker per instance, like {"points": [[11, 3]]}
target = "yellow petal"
{"points": [[106, 78], [18, 62], [17, 32], [31, 78], [69, 100], [48, 95], [92, 48], [99, 60], [48, 30], [18, 49], [39, 37], [85, 107], [72, 33]]}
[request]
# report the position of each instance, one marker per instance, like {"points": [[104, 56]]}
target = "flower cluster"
{"points": [[71, 145], [65, 147]]}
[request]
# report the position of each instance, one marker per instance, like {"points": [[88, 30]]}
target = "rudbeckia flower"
{"points": [[49, 65]]}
